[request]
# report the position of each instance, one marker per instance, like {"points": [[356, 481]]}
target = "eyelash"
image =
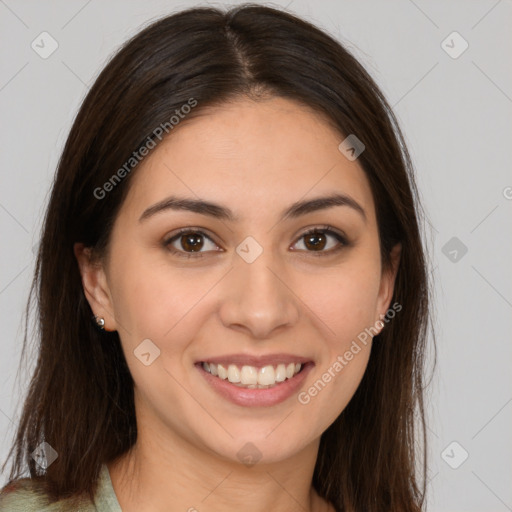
{"points": [[323, 230]]}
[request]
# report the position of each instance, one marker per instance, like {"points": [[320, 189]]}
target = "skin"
{"points": [[256, 158]]}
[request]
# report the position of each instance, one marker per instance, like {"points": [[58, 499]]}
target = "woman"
{"points": [[231, 282]]}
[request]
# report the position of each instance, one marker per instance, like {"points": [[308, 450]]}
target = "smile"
{"points": [[252, 377], [255, 381]]}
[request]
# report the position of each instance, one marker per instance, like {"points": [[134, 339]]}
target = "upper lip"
{"points": [[258, 361]]}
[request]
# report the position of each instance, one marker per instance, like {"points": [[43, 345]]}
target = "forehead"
{"points": [[254, 157]]}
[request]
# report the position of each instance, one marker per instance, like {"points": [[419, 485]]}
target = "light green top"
{"points": [[23, 496]]}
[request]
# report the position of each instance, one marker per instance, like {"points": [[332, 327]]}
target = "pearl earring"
{"points": [[100, 322]]}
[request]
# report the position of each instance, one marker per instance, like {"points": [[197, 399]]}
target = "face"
{"points": [[244, 286]]}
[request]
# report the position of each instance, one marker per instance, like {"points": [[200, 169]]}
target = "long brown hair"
{"points": [[80, 398]]}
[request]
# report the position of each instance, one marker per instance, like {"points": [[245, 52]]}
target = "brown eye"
{"points": [[317, 240], [189, 243]]}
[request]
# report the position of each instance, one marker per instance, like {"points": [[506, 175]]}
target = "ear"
{"points": [[95, 285], [387, 283]]}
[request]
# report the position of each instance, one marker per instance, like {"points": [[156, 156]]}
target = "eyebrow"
{"points": [[218, 211]]}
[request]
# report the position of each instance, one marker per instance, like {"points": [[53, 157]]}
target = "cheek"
{"points": [[151, 301], [345, 300]]}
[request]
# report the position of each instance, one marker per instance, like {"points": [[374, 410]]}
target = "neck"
{"points": [[164, 472]]}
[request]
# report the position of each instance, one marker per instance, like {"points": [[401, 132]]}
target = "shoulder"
{"points": [[27, 495], [23, 494]]}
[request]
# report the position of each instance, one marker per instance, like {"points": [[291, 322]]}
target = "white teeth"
{"points": [[223, 373], [266, 376], [252, 377], [249, 375], [280, 373], [233, 374]]}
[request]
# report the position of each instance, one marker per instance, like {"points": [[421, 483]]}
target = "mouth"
{"points": [[252, 377], [251, 381]]}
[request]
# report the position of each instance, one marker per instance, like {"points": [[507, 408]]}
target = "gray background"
{"points": [[456, 115]]}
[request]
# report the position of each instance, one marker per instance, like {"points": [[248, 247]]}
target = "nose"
{"points": [[257, 299]]}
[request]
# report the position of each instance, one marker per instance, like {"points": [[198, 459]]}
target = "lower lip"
{"points": [[256, 397]]}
